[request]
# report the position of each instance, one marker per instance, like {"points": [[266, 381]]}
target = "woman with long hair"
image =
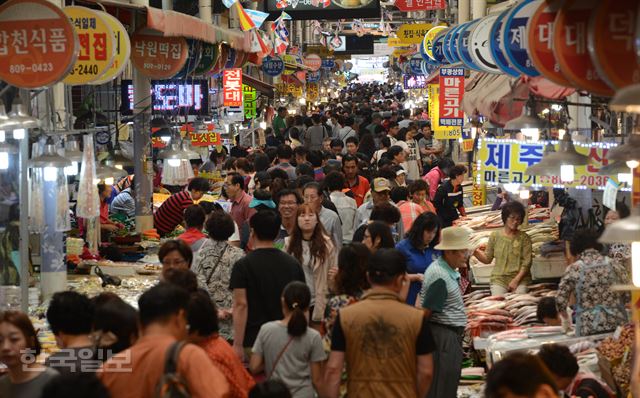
{"points": [[378, 235], [289, 349], [311, 245]]}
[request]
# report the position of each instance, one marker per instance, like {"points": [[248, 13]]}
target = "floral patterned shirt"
{"points": [[212, 265], [334, 305], [598, 309]]}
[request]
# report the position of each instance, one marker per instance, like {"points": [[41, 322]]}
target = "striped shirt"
{"points": [[442, 295], [171, 212], [124, 203]]}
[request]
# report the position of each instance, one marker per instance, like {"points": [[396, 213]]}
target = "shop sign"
{"points": [[415, 64], [612, 34], [467, 141], [395, 42], [328, 63], [437, 49], [479, 191], [232, 87], [312, 91], [313, 62], [210, 54], [193, 59], [513, 37], [439, 132], [290, 88], [250, 97], [445, 45], [97, 47], [413, 33], [293, 61], [158, 57], [313, 77], [464, 49], [453, 43], [451, 92], [540, 36], [505, 161], [209, 137], [411, 82], [427, 41], [122, 50], [273, 66], [38, 47], [479, 45], [570, 46], [420, 5], [495, 45]]}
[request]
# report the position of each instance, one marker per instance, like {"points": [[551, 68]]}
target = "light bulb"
{"points": [[524, 194], [174, 162], [567, 173], [50, 174], [633, 164], [165, 139], [460, 140], [109, 181], [302, 101], [263, 125], [625, 177], [474, 132], [635, 263], [18, 134], [118, 166], [561, 133], [2, 136], [71, 170], [4, 160]]}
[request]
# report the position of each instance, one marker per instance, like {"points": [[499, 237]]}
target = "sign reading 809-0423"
{"points": [[273, 66]]}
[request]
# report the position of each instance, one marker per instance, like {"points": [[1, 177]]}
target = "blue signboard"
{"points": [[415, 65], [496, 49], [514, 37], [446, 49], [438, 53], [313, 77], [453, 44], [328, 63], [273, 66], [463, 45]]}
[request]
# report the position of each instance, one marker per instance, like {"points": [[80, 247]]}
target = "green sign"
{"points": [[250, 96]]}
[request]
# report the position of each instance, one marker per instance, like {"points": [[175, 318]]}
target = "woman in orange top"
{"points": [[203, 331]]}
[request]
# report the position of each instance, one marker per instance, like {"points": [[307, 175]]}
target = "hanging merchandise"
{"points": [[43, 45], [513, 39], [36, 199], [122, 48], [427, 42], [540, 35], [479, 45], [273, 66], [193, 59], [63, 218], [612, 31], [210, 54], [464, 49], [570, 47], [158, 57], [89, 206], [97, 45], [496, 47]]}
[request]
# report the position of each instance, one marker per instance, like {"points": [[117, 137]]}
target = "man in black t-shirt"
{"points": [[258, 279]]}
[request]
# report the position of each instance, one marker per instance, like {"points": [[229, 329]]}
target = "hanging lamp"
{"points": [[21, 119], [626, 100], [174, 153], [108, 174], [543, 167], [50, 161], [74, 154], [566, 158], [628, 152]]}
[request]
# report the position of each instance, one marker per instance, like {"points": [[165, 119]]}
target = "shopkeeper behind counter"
{"points": [[171, 212]]}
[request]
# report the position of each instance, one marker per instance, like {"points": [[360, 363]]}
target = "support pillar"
{"points": [[463, 11], [479, 8]]}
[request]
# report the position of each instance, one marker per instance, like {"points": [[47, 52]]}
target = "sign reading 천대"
{"points": [[38, 47], [420, 5], [505, 161], [451, 92], [97, 47], [439, 132], [158, 57], [413, 33], [250, 97], [232, 87]]}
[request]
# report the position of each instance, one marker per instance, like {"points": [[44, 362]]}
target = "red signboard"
{"points": [[420, 5], [232, 87], [540, 31], [313, 61], [158, 57], [612, 33], [37, 47], [451, 92], [570, 46]]}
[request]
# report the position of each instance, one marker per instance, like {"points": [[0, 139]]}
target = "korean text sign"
{"points": [[250, 96], [440, 132], [232, 87], [505, 161], [451, 92], [420, 5], [158, 57]]}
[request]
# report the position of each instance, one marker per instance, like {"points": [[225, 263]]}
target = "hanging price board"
{"points": [[122, 49], [97, 45], [37, 48], [158, 57]]}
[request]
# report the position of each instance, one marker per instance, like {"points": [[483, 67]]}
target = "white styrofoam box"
{"points": [[548, 267], [482, 273]]}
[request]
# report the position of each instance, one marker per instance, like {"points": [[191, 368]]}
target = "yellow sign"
{"points": [[312, 91], [439, 132], [479, 192], [413, 33], [292, 89], [395, 42], [122, 49], [427, 42], [97, 47]]}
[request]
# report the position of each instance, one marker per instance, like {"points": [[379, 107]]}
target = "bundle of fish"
{"points": [[493, 219]]}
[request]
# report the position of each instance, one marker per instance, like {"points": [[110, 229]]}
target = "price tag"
{"points": [[610, 194]]}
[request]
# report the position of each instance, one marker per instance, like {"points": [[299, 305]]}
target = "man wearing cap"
{"points": [[386, 344], [380, 193], [442, 303]]}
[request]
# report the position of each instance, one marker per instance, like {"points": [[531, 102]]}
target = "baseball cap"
{"points": [[381, 184]]}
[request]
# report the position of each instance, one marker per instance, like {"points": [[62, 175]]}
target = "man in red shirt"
{"points": [[240, 200], [171, 212], [357, 185]]}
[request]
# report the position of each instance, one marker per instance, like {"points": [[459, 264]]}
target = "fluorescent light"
{"points": [[174, 162], [561, 133], [71, 170], [556, 107], [50, 174], [19, 134], [4, 160], [2, 135], [512, 187], [165, 139], [302, 101], [263, 125], [567, 173]]}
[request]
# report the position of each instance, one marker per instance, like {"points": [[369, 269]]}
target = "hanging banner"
{"points": [[451, 92], [413, 33], [122, 45], [420, 5], [272, 66], [158, 57], [249, 98], [505, 161], [37, 48], [513, 37], [312, 91], [232, 87], [97, 46], [439, 132], [313, 62]]}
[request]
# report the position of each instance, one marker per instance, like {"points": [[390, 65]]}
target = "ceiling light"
{"points": [[627, 152], [72, 149], [105, 173], [613, 168], [626, 100], [567, 173], [21, 118], [116, 159], [542, 167], [528, 122], [49, 157]]}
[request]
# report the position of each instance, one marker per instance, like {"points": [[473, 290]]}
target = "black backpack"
{"points": [[172, 384]]}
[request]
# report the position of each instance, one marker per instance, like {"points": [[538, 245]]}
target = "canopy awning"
{"points": [[263, 87]]}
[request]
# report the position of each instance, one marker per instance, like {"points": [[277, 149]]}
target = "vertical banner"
{"points": [[250, 97], [232, 87], [451, 92], [439, 132]]}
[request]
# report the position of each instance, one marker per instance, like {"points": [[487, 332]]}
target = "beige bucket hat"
{"points": [[455, 238]]}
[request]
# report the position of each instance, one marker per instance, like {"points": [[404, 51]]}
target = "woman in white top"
{"points": [[385, 143], [311, 245]]}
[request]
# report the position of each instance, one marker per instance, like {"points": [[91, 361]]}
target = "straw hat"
{"points": [[455, 238]]}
